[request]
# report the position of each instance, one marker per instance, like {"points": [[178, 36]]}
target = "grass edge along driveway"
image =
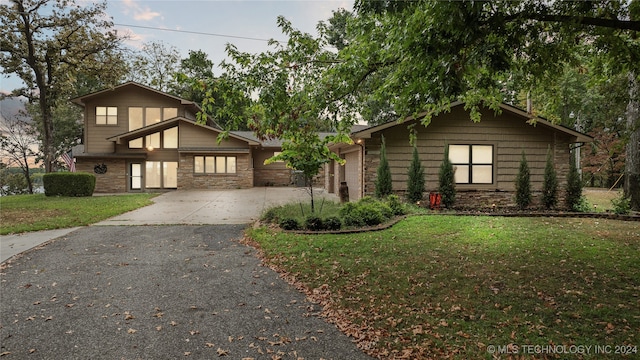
{"points": [[473, 287], [23, 213]]}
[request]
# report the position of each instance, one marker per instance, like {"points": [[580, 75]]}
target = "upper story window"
{"points": [[473, 163], [141, 117], [106, 115]]}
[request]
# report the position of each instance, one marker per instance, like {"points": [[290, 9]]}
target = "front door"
{"points": [[135, 176]]}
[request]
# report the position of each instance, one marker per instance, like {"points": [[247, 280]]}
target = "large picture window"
{"points": [[214, 164], [473, 163], [140, 117], [106, 115]]}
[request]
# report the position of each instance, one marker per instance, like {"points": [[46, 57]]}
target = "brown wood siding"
{"points": [[191, 135], [508, 134], [95, 135]]}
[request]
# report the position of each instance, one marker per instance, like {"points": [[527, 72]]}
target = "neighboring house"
{"points": [[138, 139], [486, 155]]}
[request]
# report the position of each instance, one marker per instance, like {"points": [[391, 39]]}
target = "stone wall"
{"points": [[113, 181], [188, 180], [272, 177]]}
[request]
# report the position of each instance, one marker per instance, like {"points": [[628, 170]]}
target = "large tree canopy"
{"points": [[53, 46]]}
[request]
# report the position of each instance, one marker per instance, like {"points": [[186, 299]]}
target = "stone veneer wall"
{"points": [[272, 177], [242, 179], [113, 181]]}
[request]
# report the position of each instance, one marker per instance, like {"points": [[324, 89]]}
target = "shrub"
{"points": [[372, 214], [313, 223], [415, 182], [621, 205], [383, 181], [396, 206], [68, 184], [574, 186], [550, 183], [13, 183], [332, 223], [289, 224], [583, 205], [367, 211], [523, 184], [446, 181]]}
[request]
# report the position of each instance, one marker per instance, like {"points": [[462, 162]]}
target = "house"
{"points": [[139, 139], [486, 155]]}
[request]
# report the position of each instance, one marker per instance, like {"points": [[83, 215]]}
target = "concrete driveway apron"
{"points": [[239, 206]]}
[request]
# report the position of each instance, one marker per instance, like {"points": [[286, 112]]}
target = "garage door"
{"points": [[351, 174]]}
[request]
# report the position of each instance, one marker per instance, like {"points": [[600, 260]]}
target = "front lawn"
{"points": [[21, 213], [436, 286]]}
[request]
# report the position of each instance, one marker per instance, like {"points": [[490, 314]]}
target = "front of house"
{"points": [[486, 155], [140, 139]]}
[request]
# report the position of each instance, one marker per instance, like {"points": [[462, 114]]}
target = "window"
{"points": [[214, 164], [170, 138], [473, 163], [106, 115], [140, 117], [161, 174]]}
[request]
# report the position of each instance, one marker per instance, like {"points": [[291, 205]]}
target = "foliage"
{"points": [[17, 148], [523, 184], [603, 159], [314, 223], [155, 65], [53, 46], [12, 183], [40, 212], [289, 224], [69, 184], [573, 188], [583, 205], [298, 211], [621, 205], [415, 182], [444, 284], [446, 181], [365, 212], [383, 181], [549, 183], [333, 223], [396, 206]]}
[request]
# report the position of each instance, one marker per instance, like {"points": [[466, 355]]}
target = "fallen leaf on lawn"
{"points": [[5, 353], [31, 351], [128, 316], [70, 305], [158, 315], [158, 328], [222, 352], [132, 331], [173, 323], [49, 318], [210, 345], [187, 353], [194, 332]]}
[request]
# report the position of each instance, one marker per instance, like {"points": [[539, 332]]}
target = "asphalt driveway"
{"points": [[157, 292]]}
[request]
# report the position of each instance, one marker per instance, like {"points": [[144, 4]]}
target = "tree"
{"points": [[48, 45], [415, 182], [446, 180], [384, 184], [632, 168], [573, 187], [18, 144], [523, 184], [549, 183], [155, 66], [603, 160], [197, 67], [307, 153]]}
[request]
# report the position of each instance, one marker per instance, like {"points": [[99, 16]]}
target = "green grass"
{"points": [[22, 213], [600, 199], [443, 285]]}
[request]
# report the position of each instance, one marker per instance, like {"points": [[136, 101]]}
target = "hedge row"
{"points": [[68, 184]]}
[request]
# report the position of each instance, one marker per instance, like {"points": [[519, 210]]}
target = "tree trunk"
{"points": [[632, 165]]}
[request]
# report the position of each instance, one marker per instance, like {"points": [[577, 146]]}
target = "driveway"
{"points": [[240, 206], [189, 290]]}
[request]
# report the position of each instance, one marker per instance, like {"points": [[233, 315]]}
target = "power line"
{"points": [[198, 33]]}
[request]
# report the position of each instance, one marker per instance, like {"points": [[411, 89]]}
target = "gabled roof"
{"points": [[270, 143], [81, 100], [529, 118], [163, 125]]}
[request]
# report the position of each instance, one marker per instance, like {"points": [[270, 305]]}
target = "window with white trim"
{"points": [[214, 164], [473, 164], [106, 115]]}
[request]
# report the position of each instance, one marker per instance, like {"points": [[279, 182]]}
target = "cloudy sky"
{"points": [[226, 21]]}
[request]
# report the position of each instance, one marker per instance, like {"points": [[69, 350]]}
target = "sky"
{"points": [[230, 18]]}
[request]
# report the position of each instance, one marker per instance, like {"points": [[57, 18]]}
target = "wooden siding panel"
{"points": [[192, 135]]}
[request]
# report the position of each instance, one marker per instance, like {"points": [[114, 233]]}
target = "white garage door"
{"points": [[351, 175]]}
